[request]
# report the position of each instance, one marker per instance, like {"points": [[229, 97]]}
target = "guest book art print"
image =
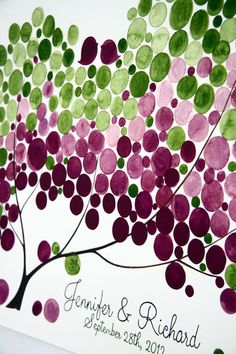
{"points": [[118, 174]]}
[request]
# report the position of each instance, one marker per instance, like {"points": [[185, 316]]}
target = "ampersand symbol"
{"points": [[122, 315]]}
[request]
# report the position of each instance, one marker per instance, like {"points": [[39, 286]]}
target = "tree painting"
{"points": [[148, 132]]}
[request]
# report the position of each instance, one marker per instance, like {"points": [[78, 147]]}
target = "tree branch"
{"points": [[31, 194], [196, 270], [83, 215]]}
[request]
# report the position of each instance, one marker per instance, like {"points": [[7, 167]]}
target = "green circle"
{"points": [[217, 21], [132, 69], [139, 84], [66, 95], [122, 45], [133, 190], [218, 75], [50, 163], [208, 238], [59, 79], [78, 91], [128, 58], [11, 110], [121, 162], [124, 131], [193, 53], [116, 106], [57, 37], [31, 121], [26, 89], [228, 124], [103, 77], [39, 74], [187, 87], [64, 46], [144, 57], [195, 202], [37, 17], [221, 52], [199, 24], [200, 2], [19, 54], [50, 76], [3, 55], [88, 90], [73, 34], [5, 86], [6, 99], [3, 156], [44, 49], [55, 248], [5, 128], [149, 121], [214, 7], [91, 109], [10, 48], [204, 98], [180, 14], [32, 48], [203, 267], [130, 108], [39, 33], [210, 40], [25, 32], [64, 122], [92, 71], [178, 43], [14, 33], [176, 138], [68, 57], [103, 120], [229, 9], [8, 67], [218, 351], [158, 14], [72, 264], [2, 114], [119, 63], [48, 26], [56, 61], [144, 7], [15, 82], [35, 98], [148, 37], [28, 68], [80, 75], [70, 73], [160, 67], [53, 103], [119, 81], [104, 99], [230, 275], [232, 166]]}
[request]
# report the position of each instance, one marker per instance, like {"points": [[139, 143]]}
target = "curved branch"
{"points": [[83, 215], [197, 270], [31, 194]]}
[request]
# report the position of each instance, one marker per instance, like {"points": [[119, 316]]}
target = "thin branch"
{"points": [[221, 238], [31, 194], [197, 270], [18, 205], [199, 155], [82, 217], [16, 234]]}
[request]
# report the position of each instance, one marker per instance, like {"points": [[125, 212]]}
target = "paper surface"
{"points": [[171, 290]]}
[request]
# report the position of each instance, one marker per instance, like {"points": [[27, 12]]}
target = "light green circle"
{"points": [[228, 30], [8, 67], [230, 275], [193, 53], [128, 58], [136, 33], [32, 47], [70, 73], [19, 55], [130, 108], [35, 98], [103, 120], [11, 110], [119, 81], [80, 75], [116, 106], [228, 124], [158, 14], [132, 13], [73, 34], [160, 39], [64, 122], [104, 99], [4, 128], [66, 95], [77, 108], [91, 109], [144, 57], [176, 138], [55, 60], [37, 17], [39, 74]]}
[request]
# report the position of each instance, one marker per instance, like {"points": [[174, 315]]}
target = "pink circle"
{"points": [[177, 70], [23, 108], [112, 135], [146, 104], [231, 78], [216, 153], [230, 184], [204, 67], [136, 129], [183, 112], [82, 128], [51, 310], [135, 166], [164, 93], [108, 161], [68, 144], [193, 184], [198, 128], [221, 98], [220, 223], [232, 209], [231, 62]]}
